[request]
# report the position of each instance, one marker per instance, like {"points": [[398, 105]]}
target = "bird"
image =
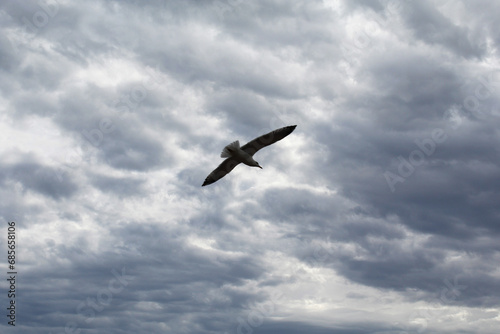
{"points": [[235, 154]]}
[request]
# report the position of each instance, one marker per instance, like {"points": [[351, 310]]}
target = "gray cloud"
{"points": [[119, 186], [377, 215], [32, 176]]}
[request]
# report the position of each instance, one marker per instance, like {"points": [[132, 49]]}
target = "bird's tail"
{"points": [[229, 149]]}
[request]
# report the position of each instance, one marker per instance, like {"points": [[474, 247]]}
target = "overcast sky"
{"points": [[378, 214]]}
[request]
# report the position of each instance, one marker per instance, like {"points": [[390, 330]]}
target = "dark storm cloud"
{"points": [[186, 282], [36, 177], [439, 197], [379, 214], [442, 196]]}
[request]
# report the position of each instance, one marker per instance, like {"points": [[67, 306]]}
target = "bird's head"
{"points": [[256, 165]]}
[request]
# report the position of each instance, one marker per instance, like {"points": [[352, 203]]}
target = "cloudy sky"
{"points": [[378, 214]]}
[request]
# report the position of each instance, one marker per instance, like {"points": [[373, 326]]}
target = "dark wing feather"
{"points": [[225, 167], [265, 140]]}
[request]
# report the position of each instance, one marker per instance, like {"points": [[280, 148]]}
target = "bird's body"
{"points": [[235, 154], [234, 150]]}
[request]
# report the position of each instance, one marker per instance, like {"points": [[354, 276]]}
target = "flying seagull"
{"points": [[236, 154]]}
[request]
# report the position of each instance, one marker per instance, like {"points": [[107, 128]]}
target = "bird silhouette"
{"points": [[235, 154]]}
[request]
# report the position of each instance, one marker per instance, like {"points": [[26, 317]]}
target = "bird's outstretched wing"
{"points": [[225, 167], [265, 140]]}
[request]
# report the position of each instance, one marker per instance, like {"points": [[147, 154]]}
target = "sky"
{"points": [[378, 214]]}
